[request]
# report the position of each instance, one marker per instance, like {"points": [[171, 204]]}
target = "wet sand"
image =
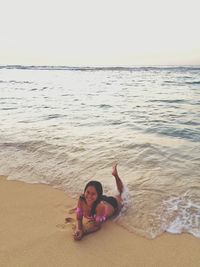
{"points": [[34, 233]]}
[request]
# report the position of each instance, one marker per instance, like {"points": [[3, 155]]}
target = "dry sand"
{"points": [[33, 232]]}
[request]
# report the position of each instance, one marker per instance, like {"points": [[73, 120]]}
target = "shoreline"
{"points": [[34, 233]]}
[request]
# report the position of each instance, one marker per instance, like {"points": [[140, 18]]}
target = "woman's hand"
{"points": [[78, 234]]}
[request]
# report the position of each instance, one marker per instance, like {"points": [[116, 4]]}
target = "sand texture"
{"points": [[33, 232]]}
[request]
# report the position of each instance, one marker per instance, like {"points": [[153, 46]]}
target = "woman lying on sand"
{"points": [[96, 207]]}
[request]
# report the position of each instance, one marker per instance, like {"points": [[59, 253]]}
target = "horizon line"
{"points": [[101, 66]]}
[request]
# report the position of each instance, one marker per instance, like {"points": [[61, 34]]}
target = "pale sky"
{"points": [[99, 33]]}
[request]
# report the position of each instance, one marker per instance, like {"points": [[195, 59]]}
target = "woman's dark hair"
{"points": [[98, 186]]}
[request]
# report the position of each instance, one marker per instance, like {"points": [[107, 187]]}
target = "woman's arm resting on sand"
{"points": [[78, 233], [95, 225], [89, 227], [92, 225]]}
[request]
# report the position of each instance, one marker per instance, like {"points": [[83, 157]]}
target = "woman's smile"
{"points": [[90, 195]]}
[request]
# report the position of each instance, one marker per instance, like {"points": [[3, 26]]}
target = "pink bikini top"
{"points": [[79, 213]]}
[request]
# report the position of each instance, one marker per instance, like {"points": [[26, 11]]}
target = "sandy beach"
{"points": [[34, 233]]}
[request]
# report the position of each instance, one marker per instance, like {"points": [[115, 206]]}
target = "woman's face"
{"points": [[90, 195]]}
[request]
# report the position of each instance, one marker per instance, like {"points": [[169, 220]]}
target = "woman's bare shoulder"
{"points": [[100, 206], [81, 201]]}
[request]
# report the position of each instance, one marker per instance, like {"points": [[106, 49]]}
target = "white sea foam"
{"points": [[183, 215]]}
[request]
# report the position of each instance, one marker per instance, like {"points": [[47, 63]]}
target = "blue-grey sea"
{"points": [[64, 126]]}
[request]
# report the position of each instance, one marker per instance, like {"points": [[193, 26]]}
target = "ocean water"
{"points": [[64, 126]]}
